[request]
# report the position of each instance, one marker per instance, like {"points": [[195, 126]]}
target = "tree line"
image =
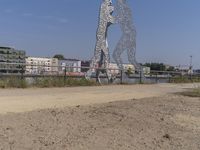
{"points": [[159, 67]]}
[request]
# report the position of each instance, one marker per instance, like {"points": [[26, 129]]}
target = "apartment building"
{"points": [[12, 60], [115, 70], [71, 65], [85, 65], [41, 65]]}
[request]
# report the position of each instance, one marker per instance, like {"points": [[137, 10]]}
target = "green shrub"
{"points": [[79, 82], [2, 84]]}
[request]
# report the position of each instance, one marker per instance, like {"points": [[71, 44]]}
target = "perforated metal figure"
{"points": [[127, 41], [101, 54]]}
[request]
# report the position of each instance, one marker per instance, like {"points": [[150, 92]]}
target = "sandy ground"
{"points": [[22, 100], [169, 122], [147, 117]]}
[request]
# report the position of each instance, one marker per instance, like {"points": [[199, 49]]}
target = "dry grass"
{"points": [[44, 82], [191, 93], [184, 79]]}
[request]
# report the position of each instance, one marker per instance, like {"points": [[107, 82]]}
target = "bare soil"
{"points": [[165, 122], [22, 100]]}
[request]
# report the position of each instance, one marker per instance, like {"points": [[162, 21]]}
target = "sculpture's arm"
{"points": [[112, 19]]}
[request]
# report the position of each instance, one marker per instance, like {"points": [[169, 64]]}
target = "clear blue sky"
{"points": [[167, 30]]}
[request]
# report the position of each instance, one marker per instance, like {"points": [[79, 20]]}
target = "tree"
{"points": [[171, 68], [156, 66], [129, 71], [59, 56]]}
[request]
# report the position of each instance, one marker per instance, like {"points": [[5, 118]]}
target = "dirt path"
{"points": [[22, 100]]}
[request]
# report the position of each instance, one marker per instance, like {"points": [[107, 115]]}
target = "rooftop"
{"points": [[1, 47]]}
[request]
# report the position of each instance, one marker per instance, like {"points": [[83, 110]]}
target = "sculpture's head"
{"points": [[108, 2]]}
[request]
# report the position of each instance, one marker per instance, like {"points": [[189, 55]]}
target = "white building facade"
{"points": [[69, 65], [115, 70], [146, 70], [41, 65]]}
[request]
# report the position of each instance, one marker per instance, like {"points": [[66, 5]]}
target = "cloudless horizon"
{"points": [[168, 31]]}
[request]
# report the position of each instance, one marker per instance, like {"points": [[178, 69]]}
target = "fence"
{"points": [[24, 71]]}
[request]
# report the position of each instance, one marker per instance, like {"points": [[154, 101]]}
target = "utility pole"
{"points": [[191, 67], [191, 57]]}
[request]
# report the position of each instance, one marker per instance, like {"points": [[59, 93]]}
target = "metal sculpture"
{"points": [[127, 41], [101, 57]]}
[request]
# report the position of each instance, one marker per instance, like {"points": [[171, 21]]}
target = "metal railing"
{"points": [[32, 71]]}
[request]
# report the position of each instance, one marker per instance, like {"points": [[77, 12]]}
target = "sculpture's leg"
{"points": [[120, 48], [97, 55], [107, 63], [131, 52], [98, 80], [100, 65], [93, 63]]}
